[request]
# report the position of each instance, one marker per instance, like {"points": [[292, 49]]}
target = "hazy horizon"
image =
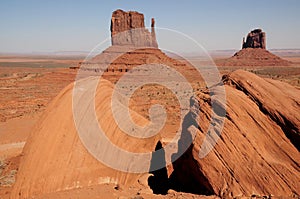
{"points": [[54, 26]]}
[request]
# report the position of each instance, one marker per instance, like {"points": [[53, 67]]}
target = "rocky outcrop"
{"points": [[282, 109], [128, 28], [256, 154], [55, 158], [255, 39]]}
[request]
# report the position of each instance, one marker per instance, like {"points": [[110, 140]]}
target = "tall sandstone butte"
{"points": [[254, 53], [255, 39], [128, 28]]}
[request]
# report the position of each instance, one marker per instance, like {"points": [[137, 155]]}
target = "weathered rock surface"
{"points": [[278, 100], [55, 158], [255, 39], [128, 28], [257, 151]]}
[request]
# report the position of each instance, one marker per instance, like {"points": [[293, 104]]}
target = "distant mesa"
{"points": [[254, 53], [128, 28]]}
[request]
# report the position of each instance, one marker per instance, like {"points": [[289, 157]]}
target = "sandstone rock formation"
{"points": [[128, 28], [254, 53], [255, 39], [55, 158], [256, 153], [128, 34]]}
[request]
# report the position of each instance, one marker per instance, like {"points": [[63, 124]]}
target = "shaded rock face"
{"points": [[187, 177], [158, 182], [255, 39], [128, 28], [257, 151]]}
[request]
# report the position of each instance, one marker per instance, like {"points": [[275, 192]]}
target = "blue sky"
{"points": [[70, 25]]}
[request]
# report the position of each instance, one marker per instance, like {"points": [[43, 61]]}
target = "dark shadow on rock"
{"points": [[159, 181], [187, 176]]}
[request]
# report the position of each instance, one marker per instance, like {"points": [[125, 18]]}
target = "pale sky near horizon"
{"points": [[67, 25]]}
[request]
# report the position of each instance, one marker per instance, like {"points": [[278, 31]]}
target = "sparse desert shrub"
{"points": [[2, 166], [8, 180]]}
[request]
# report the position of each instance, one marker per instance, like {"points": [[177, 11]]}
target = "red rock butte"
{"points": [[132, 45], [255, 39], [254, 53], [128, 28]]}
